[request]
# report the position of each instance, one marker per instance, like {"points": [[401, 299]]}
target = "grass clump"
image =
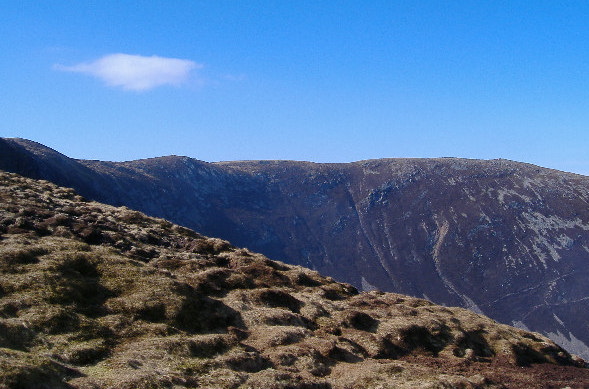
{"points": [[25, 370]]}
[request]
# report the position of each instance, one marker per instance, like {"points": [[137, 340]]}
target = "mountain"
{"points": [[93, 296], [503, 238]]}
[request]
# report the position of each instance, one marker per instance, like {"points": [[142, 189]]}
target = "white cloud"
{"points": [[136, 72]]}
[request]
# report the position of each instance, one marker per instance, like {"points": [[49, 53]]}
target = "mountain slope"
{"points": [[93, 296], [506, 239]]}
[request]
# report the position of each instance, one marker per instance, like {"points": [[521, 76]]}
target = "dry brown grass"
{"points": [[93, 296]]}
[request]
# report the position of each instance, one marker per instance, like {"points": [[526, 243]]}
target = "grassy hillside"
{"points": [[93, 296]]}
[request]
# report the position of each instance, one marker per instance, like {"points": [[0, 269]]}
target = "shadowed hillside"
{"points": [[93, 296], [506, 239]]}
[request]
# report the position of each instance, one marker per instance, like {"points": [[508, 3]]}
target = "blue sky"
{"points": [[325, 81]]}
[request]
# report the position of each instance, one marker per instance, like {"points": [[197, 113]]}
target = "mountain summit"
{"points": [[507, 239]]}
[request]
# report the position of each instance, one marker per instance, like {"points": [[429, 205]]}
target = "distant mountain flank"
{"points": [[507, 239], [93, 296]]}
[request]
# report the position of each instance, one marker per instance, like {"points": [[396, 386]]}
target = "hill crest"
{"points": [[507, 239]]}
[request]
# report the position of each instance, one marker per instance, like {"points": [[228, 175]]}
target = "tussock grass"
{"points": [[93, 296]]}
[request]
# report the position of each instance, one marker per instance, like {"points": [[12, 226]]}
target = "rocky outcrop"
{"points": [[506, 239], [93, 296]]}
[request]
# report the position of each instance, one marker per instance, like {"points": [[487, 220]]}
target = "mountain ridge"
{"points": [[503, 238]]}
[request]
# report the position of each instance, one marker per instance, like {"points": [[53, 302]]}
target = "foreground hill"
{"points": [[93, 296], [506, 239]]}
